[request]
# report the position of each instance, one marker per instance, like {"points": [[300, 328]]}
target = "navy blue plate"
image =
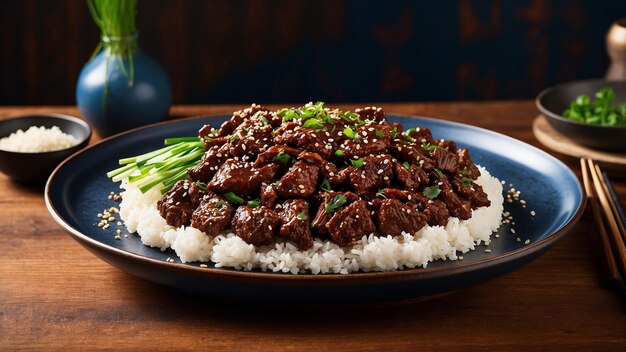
{"points": [[78, 189]]}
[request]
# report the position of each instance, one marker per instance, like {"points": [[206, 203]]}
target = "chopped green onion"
{"points": [[233, 198], [313, 123], [325, 186], [339, 152], [358, 162], [438, 173], [281, 157], [350, 133], [254, 203], [380, 134], [302, 216], [406, 166], [335, 203]]}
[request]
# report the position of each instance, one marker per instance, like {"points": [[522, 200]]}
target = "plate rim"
{"points": [[372, 277]]}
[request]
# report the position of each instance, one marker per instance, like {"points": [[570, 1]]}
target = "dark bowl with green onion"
{"points": [[591, 113]]}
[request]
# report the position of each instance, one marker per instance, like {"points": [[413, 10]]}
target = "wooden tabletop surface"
{"points": [[56, 295]]}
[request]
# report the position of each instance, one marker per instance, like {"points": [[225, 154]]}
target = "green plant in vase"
{"points": [[120, 87]]}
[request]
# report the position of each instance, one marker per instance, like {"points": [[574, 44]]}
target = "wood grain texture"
{"points": [[55, 295]]}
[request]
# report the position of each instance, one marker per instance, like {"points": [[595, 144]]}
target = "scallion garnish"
{"points": [[253, 203], [358, 162], [350, 133], [282, 157], [335, 203], [233, 198]]}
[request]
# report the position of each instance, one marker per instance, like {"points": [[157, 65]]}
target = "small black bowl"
{"points": [[34, 168], [554, 100]]}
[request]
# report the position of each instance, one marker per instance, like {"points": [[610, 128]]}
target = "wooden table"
{"points": [[56, 295]]}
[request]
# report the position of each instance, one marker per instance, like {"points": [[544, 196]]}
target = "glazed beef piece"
{"points": [[212, 215], [471, 191], [309, 139], [376, 172], [322, 216], [410, 178], [395, 217], [295, 223], [457, 207], [275, 153], [349, 224], [421, 135], [368, 140], [445, 161], [256, 226], [411, 154], [241, 177], [466, 166], [299, 182], [435, 211], [238, 118], [209, 164], [268, 195], [252, 137], [372, 114], [176, 206]]}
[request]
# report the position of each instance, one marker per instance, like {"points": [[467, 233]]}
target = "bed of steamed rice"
{"points": [[37, 139], [370, 253]]}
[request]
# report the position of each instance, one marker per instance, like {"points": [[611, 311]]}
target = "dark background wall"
{"points": [[269, 51]]}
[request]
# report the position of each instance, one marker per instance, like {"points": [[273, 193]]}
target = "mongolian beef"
{"points": [[312, 172]]}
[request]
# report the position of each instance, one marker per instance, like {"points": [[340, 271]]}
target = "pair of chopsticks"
{"points": [[609, 218]]}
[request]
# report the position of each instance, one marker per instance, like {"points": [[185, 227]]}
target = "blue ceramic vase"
{"points": [[113, 98]]}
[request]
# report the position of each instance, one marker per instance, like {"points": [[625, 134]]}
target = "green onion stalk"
{"points": [[160, 168], [118, 40]]}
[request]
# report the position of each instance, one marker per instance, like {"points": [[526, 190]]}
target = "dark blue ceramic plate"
{"points": [[78, 190]]}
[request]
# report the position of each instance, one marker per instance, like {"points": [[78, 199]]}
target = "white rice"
{"points": [[37, 140], [370, 253]]}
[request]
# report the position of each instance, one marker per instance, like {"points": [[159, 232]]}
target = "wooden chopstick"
{"points": [[612, 276], [615, 205]]}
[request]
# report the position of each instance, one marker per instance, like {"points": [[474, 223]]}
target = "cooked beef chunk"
{"points": [[295, 223], [252, 137], [309, 139], [212, 215], [256, 226], [207, 131], [395, 217], [322, 216], [367, 140], [273, 154], [449, 146], [410, 178], [457, 207], [375, 172], [268, 195], [241, 177], [209, 164], [445, 161], [466, 166], [436, 213], [350, 224], [372, 114], [422, 135], [411, 154], [176, 206], [299, 182], [471, 191], [238, 118]]}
